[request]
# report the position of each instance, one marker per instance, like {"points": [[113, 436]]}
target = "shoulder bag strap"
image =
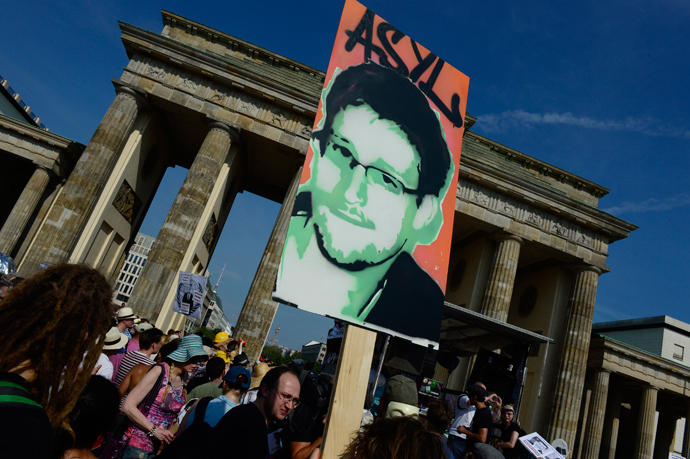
{"points": [[145, 404], [200, 410]]}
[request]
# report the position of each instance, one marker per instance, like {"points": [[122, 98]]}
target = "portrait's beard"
{"points": [[343, 244]]}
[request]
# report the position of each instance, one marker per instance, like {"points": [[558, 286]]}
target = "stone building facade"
{"points": [[636, 401], [529, 242], [35, 164]]}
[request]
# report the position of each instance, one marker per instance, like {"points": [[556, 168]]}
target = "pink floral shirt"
{"points": [[162, 413]]}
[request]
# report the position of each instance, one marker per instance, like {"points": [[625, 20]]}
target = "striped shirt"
{"points": [[128, 361]]}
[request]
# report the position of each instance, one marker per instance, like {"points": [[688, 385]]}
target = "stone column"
{"points": [[644, 436], [499, 287], [665, 432], [160, 272], [572, 365], [686, 433], [254, 322], [65, 221], [23, 209], [612, 423], [597, 412]]}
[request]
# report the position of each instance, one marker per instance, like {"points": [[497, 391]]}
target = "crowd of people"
{"points": [[82, 379]]}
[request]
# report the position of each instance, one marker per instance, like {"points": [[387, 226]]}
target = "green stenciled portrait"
{"points": [[380, 170]]}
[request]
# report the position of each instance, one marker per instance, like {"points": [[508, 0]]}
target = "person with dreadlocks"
{"points": [[51, 323], [147, 432]]}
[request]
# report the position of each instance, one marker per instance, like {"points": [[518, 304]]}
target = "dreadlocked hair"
{"points": [[49, 323], [395, 438]]}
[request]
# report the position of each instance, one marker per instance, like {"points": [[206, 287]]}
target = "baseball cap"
{"points": [[477, 391], [238, 374], [142, 327]]}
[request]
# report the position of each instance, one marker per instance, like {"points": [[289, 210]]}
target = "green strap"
{"points": [[18, 399], [14, 394], [14, 385]]}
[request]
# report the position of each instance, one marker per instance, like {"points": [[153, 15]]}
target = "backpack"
{"points": [[315, 395], [187, 445]]}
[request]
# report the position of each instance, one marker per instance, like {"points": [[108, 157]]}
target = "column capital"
{"points": [[231, 129], [139, 95], [602, 370], [583, 267], [44, 167], [505, 236]]}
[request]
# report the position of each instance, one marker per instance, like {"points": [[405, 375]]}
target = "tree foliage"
{"points": [[275, 354], [210, 334]]}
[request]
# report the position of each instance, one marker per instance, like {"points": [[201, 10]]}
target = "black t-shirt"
{"points": [[25, 431], [241, 433], [506, 433], [310, 436], [483, 419]]}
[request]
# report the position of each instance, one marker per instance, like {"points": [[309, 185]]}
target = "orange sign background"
{"points": [[446, 85]]}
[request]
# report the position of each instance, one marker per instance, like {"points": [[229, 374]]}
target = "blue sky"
{"points": [[598, 88]]}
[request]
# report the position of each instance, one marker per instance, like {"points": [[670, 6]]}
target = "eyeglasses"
{"points": [[289, 399], [342, 157]]}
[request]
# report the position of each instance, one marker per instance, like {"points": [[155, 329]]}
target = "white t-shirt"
{"points": [[464, 413], [106, 369]]}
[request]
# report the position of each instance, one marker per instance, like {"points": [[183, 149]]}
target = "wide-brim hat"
{"points": [[114, 340], [126, 313], [190, 347], [260, 370]]}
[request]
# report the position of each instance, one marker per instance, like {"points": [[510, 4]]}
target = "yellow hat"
{"points": [[220, 337], [223, 355]]}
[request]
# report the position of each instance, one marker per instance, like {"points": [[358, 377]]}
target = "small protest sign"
{"points": [[191, 289]]}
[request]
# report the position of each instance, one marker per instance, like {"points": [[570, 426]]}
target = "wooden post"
{"points": [[349, 391]]}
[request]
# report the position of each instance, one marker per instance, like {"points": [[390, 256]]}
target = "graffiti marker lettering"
{"points": [[364, 35]]}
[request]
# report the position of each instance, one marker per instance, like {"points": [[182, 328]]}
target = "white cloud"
{"points": [[650, 205], [605, 314], [514, 119]]}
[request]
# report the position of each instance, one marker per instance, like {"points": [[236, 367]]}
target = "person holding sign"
{"points": [[380, 170]]}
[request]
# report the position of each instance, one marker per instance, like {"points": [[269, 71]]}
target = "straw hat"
{"points": [[114, 340], [126, 313], [190, 346], [260, 371]]}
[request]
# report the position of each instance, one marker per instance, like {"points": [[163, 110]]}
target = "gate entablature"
{"points": [[272, 98]]}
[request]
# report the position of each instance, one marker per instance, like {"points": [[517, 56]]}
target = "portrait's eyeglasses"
{"points": [[289, 399], [342, 157]]}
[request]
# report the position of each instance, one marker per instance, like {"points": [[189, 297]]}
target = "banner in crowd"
{"points": [[369, 237], [191, 289]]}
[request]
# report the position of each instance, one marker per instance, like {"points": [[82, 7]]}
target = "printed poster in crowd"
{"points": [[675, 456], [369, 237], [540, 448], [191, 289]]}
